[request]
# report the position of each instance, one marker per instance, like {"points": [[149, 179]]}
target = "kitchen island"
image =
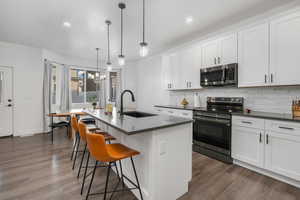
{"points": [[164, 166]]}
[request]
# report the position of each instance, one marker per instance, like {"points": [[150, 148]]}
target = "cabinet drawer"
{"points": [[291, 128], [185, 113], [248, 122]]}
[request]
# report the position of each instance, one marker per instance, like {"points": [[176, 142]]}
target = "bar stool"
{"points": [[110, 153], [83, 129], [74, 122]]}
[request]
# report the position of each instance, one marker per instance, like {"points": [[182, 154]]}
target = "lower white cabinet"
{"points": [[274, 148], [175, 112], [248, 145], [282, 154]]}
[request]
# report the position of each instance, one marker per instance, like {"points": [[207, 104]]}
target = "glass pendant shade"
{"points": [[108, 66], [144, 50], [121, 60]]}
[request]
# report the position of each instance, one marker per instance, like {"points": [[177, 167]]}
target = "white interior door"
{"points": [[6, 102]]}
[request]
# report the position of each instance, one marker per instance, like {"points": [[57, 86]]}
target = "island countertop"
{"points": [[132, 125]]}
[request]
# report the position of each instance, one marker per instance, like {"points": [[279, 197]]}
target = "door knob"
{"points": [[9, 105], [9, 100]]}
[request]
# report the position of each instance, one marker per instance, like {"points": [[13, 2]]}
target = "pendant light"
{"points": [[143, 45], [121, 57], [108, 63], [97, 75]]}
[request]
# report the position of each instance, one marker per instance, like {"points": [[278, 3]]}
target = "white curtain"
{"points": [[65, 100], [47, 95]]}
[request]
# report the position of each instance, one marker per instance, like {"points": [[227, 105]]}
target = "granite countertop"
{"points": [[131, 125], [269, 115], [180, 107], [256, 114]]}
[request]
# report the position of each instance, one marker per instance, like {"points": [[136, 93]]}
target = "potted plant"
{"points": [[94, 104]]}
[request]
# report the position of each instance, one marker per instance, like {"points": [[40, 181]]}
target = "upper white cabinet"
{"points": [[221, 51], [284, 50], [253, 56], [181, 70]]}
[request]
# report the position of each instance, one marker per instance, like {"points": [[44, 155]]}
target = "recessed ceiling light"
{"points": [[67, 24], [189, 20]]}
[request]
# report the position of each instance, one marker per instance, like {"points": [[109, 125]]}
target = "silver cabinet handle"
{"points": [[286, 128], [271, 78], [190, 84], [219, 60], [265, 78], [267, 140], [185, 114], [245, 122], [260, 140], [215, 59]]}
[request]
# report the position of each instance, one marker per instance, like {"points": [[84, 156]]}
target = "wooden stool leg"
{"points": [[136, 177], [80, 166], [91, 182], [85, 171]]}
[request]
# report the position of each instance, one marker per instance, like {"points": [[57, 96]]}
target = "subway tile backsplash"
{"points": [[267, 99]]}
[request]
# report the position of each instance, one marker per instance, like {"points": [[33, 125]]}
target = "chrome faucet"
{"points": [[122, 94]]}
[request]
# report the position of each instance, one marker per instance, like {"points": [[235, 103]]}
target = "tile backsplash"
{"points": [[268, 99]]}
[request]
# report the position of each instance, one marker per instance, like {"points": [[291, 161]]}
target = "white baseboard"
{"points": [[268, 173]]}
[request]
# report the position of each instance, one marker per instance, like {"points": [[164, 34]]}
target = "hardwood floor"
{"points": [[31, 168]]}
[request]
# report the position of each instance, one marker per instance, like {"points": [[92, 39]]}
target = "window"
{"points": [[84, 86], [113, 83]]}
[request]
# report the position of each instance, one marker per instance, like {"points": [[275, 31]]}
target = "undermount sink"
{"points": [[138, 114]]}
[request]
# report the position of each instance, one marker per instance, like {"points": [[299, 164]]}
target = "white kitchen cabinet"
{"points": [[228, 50], [181, 69], [166, 72], [174, 112], [170, 71], [210, 52], [284, 50], [253, 56], [282, 154], [272, 145], [248, 145], [190, 64], [221, 51]]}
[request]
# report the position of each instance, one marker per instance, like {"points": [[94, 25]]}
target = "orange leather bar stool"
{"points": [[83, 129], [110, 154], [74, 122]]}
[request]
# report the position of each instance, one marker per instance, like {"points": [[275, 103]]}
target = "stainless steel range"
{"points": [[212, 127]]}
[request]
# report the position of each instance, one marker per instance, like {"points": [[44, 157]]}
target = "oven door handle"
{"points": [[207, 119]]}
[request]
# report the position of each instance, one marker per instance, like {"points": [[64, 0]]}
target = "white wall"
{"points": [[28, 80], [27, 63]]}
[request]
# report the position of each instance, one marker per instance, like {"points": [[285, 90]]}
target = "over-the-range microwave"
{"points": [[224, 75]]}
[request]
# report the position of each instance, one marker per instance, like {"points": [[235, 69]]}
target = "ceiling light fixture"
{"points": [[108, 63], [143, 45], [121, 57], [189, 20], [67, 24]]}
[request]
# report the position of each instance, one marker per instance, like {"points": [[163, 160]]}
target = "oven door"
{"points": [[212, 133]]}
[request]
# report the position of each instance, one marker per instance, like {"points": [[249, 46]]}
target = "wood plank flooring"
{"points": [[31, 168]]}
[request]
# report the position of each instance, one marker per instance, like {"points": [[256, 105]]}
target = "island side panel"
{"points": [[172, 157], [141, 142]]}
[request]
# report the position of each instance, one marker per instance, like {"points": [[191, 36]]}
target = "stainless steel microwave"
{"points": [[224, 75]]}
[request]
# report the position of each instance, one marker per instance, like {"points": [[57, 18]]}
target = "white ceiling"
{"points": [[39, 22]]}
